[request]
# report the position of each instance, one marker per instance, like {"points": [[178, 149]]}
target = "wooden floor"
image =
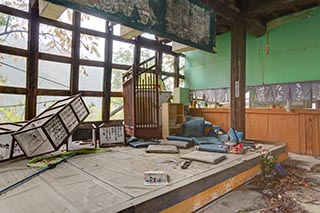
{"points": [[113, 182]]}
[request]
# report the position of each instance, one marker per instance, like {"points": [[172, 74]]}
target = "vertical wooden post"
{"points": [[135, 69], [107, 74], [75, 61], [32, 62], [238, 74], [176, 71], [157, 72]]}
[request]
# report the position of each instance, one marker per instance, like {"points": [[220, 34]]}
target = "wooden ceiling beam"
{"points": [[255, 27], [222, 10], [267, 6]]}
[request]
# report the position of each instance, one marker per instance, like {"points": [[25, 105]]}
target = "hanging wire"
{"points": [[41, 77]]}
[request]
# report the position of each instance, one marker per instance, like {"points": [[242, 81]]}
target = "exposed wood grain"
{"points": [[293, 133], [257, 126], [13, 90], [107, 75], [13, 51], [74, 83], [312, 136], [238, 74], [299, 128], [32, 62], [14, 12], [203, 198]]}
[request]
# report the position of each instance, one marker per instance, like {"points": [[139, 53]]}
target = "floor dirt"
{"points": [[298, 191]]}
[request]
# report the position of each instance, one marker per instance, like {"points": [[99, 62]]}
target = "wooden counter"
{"points": [[299, 128]]}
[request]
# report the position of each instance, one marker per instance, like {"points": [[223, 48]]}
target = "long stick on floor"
{"points": [[49, 166]]}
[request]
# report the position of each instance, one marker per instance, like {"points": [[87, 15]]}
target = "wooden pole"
{"points": [[238, 74], [32, 62], [176, 71], [107, 75], [75, 62]]}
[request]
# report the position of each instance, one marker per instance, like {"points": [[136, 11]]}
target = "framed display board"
{"points": [[9, 148], [111, 134], [48, 131]]}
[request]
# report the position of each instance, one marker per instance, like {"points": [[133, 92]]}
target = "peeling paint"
{"points": [[185, 21]]}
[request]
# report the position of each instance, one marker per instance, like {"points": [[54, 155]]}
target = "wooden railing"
{"points": [[299, 128]]}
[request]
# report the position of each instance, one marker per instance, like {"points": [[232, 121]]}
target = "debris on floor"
{"points": [[297, 191]]}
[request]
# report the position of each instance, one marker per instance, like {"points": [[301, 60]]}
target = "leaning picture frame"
{"points": [[111, 133]]}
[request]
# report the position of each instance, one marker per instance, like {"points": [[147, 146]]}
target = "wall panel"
{"points": [[299, 128]]}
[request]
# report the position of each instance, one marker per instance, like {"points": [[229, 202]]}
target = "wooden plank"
{"points": [[93, 32], [292, 135], [75, 55], [56, 58], [14, 12], [238, 74], [86, 62], [107, 75], [32, 62], [257, 127], [13, 51], [302, 134], [277, 128], [317, 143], [55, 23], [13, 90], [53, 92], [92, 93], [312, 136], [209, 195]]}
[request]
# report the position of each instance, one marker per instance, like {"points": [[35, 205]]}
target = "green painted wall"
{"points": [[294, 55]]}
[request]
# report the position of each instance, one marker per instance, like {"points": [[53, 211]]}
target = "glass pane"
{"points": [[44, 102], [146, 54], [55, 40], [13, 31], [116, 29], [122, 53], [91, 47], [12, 107], [94, 105], [148, 36], [12, 70], [169, 83], [60, 14], [54, 75], [167, 63], [17, 4], [93, 23], [66, 16], [91, 78], [116, 108], [116, 81], [182, 62]]}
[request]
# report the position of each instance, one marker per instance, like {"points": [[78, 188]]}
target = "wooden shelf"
{"points": [[172, 119]]}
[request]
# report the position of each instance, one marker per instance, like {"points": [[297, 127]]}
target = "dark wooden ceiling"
{"points": [[257, 12]]}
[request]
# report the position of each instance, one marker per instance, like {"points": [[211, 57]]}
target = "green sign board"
{"points": [[186, 21]]}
